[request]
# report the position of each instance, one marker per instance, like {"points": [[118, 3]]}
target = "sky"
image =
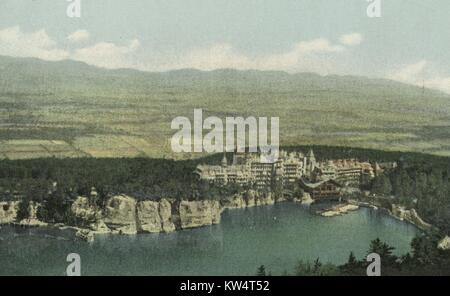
{"points": [[409, 42]]}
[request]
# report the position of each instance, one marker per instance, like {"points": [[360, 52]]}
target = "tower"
{"points": [[310, 163], [311, 160], [224, 161]]}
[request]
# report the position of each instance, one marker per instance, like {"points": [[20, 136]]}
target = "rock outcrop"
{"points": [[199, 213], [444, 244], [165, 213], [8, 212], [85, 234], [306, 199], [99, 227], [148, 217], [250, 199], [265, 199], [410, 216], [84, 211], [124, 215], [120, 214], [32, 219], [234, 202]]}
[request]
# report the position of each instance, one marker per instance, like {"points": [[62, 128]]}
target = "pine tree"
{"points": [[261, 271]]}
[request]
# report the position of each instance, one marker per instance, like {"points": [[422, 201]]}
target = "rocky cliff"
{"points": [[248, 199], [165, 213], [32, 219], [198, 213], [125, 215], [120, 215], [148, 218], [8, 212], [444, 244], [411, 216]]}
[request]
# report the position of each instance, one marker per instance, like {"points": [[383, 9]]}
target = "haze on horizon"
{"points": [[408, 43]]}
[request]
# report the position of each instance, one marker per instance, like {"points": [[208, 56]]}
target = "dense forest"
{"points": [[422, 186]]}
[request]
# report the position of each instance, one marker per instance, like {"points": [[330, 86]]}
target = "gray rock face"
{"points": [[148, 216], [165, 213], [265, 199], [234, 202], [216, 212], [8, 212], [124, 215], [99, 227], [32, 219], [250, 199], [409, 215], [444, 244], [199, 213], [82, 210], [120, 215]]}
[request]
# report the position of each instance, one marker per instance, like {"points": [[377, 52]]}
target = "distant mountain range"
{"points": [[31, 72], [75, 102]]}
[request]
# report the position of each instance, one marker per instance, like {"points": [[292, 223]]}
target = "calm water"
{"points": [[276, 236]]}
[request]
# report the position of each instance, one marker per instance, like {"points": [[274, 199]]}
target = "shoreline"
{"points": [[124, 215], [88, 234], [401, 214]]}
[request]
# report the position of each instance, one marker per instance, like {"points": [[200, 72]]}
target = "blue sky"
{"points": [[410, 41]]}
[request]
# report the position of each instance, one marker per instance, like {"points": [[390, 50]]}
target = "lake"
{"points": [[275, 236]]}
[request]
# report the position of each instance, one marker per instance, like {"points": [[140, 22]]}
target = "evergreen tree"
{"points": [[23, 211], [261, 271], [381, 185], [385, 251], [352, 267]]}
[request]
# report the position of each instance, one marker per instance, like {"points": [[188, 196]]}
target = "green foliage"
{"points": [[381, 185], [55, 208], [425, 259], [384, 250], [353, 267], [316, 268], [141, 177], [261, 271], [23, 211]]}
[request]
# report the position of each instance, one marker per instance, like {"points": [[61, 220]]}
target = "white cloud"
{"points": [[79, 36], [419, 74], [351, 39], [410, 73], [305, 56], [14, 42], [441, 83], [214, 57], [318, 55], [315, 55], [108, 55]]}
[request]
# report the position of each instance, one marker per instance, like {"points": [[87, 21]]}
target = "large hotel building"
{"points": [[247, 169]]}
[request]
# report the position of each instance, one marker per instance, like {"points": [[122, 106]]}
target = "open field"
{"points": [[69, 109]]}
